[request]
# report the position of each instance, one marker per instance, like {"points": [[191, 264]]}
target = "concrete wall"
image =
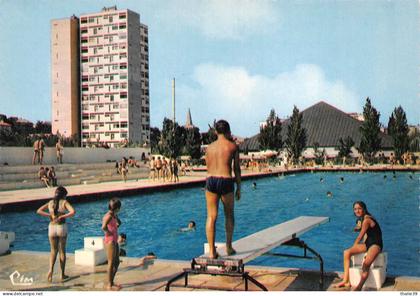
{"points": [[23, 155]]}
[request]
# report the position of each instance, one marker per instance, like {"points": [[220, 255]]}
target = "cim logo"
{"points": [[18, 279]]}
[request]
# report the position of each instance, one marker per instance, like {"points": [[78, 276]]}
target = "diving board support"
{"points": [[296, 242], [231, 268]]}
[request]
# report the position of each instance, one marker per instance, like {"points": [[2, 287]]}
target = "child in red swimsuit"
{"points": [[110, 224]]}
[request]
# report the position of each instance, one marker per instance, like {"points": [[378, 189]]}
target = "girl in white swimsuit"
{"points": [[58, 210]]}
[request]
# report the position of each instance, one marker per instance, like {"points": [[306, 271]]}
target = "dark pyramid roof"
{"points": [[324, 124]]}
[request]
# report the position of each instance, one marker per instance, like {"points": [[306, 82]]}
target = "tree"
{"points": [[270, 134], [370, 129], [345, 145], [171, 141], [193, 142], [318, 154], [398, 130], [296, 136], [43, 127], [210, 136], [414, 141], [155, 136]]}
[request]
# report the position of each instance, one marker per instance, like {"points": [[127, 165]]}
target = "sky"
{"points": [[236, 59]]}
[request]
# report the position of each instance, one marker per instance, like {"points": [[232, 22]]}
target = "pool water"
{"points": [[152, 221]]}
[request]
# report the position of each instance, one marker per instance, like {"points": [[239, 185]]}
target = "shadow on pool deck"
{"points": [[153, 276]]}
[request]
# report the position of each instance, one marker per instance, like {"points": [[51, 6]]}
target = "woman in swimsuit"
{"points": [[58, 210], [373, 244], [110, 224]]}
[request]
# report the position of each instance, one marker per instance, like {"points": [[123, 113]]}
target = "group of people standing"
{"points": [[163, 168], [39, 149]]}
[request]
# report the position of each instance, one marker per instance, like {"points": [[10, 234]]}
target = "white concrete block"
{"points": [[4, 246], [94, 243], [90, 257], [375, 279], [218, 245], [10, 236], [380, 261]]}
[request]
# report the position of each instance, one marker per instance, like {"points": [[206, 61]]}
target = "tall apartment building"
{"points": [[65, 90], [114, 78]]}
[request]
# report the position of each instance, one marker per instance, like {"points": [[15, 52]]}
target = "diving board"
{"points": [[253, 246], [259, 243]]}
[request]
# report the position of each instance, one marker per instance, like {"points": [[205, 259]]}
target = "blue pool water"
{"points": [[151, 221]]}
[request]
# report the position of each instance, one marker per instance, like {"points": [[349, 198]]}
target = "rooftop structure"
{"points": [[324, 125], [188, 122]]}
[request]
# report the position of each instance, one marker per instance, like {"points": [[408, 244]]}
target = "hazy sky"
{"points": [[236, 59]]}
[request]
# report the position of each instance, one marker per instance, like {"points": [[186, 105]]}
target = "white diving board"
{"points": [[259, 243], [253, 246]]}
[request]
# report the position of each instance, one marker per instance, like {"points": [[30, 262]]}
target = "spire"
{"points": [[188, 123]]}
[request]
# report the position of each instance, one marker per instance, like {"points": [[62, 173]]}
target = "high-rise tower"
{"points": [[114, 78]]}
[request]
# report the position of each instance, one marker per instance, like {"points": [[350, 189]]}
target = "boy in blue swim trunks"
{"points": [[221, 155]]}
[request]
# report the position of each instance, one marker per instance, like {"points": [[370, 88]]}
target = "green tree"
{"points": [[318, 154], [193, 142], [210, 136], [270, 134], [296, 136], [344, 148], [398, 130], [370, 130], [42, 127], [155, 136], [171, 142], [414, 141]]}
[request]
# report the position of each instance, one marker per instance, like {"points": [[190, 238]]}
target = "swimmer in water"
{"points": [[329, 194], [384, 176], [254, 185], [190, 227], [341, 179], [321, 180]]}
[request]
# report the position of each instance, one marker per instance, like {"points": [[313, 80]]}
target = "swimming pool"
{"points": [[151, 221]]}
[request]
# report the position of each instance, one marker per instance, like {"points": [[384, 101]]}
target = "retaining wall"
{"points": [[23, 155]]}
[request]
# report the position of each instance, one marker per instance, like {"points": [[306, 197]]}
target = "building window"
{"points": [[112, 136]]}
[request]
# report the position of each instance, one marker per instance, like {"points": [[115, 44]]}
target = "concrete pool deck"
{"points": [[19, 199], [153, 277]]}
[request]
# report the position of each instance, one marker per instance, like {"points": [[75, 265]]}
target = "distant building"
{"points": [[65, 81], [358, 116], [188, 123], [324, 125], [111, 80], [5, 126]]}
